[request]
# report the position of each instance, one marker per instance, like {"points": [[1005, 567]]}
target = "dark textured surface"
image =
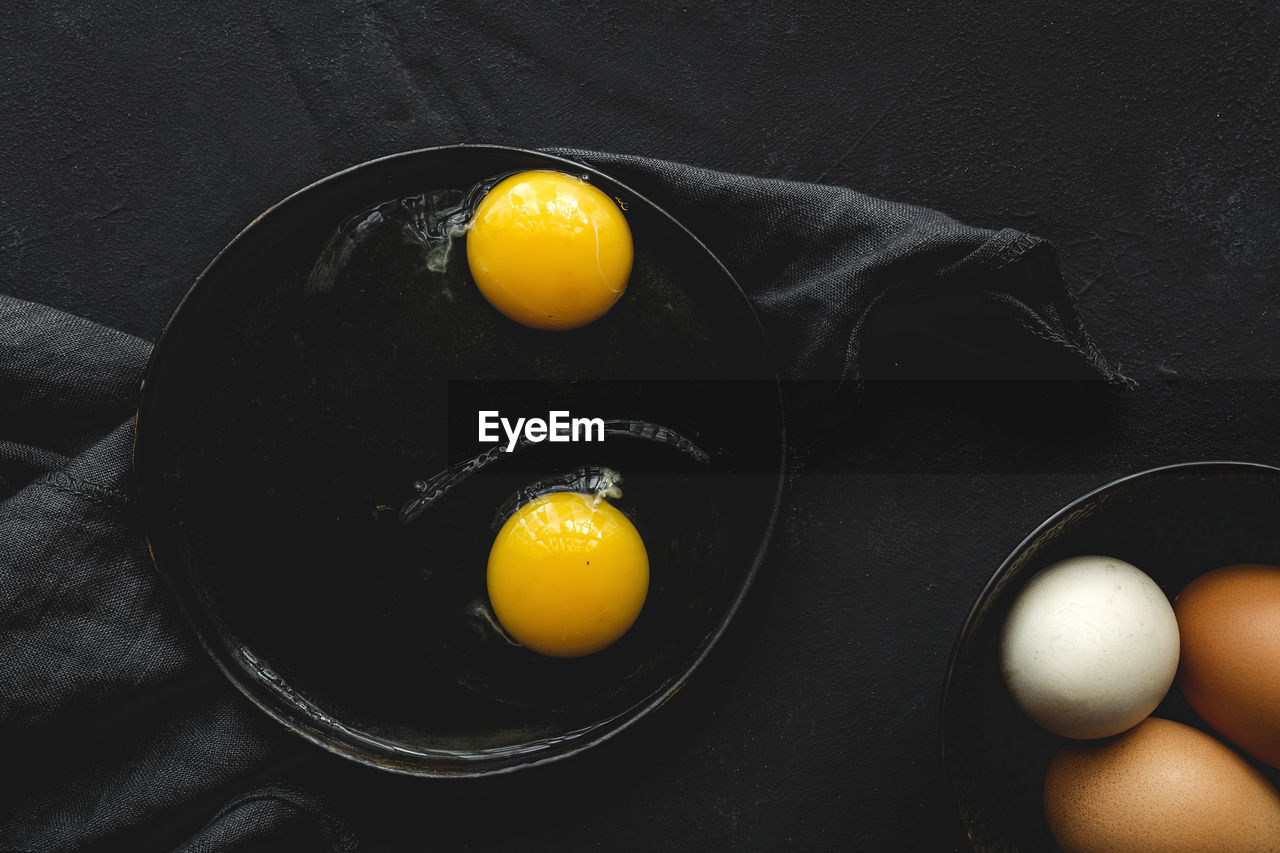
{"points": [[1141, 139]]}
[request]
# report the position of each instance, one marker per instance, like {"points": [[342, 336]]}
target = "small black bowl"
{"points": [[327, 363], [1174, 523]]}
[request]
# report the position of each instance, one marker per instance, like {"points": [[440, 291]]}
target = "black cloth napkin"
{"points": [[816, 261], [118, 731]]}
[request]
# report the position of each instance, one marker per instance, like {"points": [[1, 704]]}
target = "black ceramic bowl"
{"points": [[320, 369], [1174, 523]]}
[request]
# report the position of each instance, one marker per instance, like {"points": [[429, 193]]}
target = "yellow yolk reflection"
{"points": [[568, 574], [549, 250]]}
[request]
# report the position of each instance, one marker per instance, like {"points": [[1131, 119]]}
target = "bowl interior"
{"points": [[324, 365], [1175, 524]]}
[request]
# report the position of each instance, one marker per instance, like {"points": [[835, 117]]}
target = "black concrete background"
{"points": [[137, 139]]}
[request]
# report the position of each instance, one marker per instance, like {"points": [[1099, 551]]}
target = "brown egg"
{"points": [[1161, 787], [1229, 621]]}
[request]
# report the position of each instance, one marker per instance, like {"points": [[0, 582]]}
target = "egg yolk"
{"points": [[549, 250], [568, 574]]}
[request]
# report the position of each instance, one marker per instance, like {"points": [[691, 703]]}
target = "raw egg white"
{"points": [[568, 574], [1090, 647], [549, 250]]}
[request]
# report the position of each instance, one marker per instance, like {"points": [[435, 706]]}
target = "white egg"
{"points": [[1090, 647]]}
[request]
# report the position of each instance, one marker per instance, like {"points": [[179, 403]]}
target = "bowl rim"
{"points": [[948, 687], [303, 720]]}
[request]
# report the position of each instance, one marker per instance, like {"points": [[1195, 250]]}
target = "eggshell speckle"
{"points": [[1161, 787], [1090, 647], [1230, 673]]}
